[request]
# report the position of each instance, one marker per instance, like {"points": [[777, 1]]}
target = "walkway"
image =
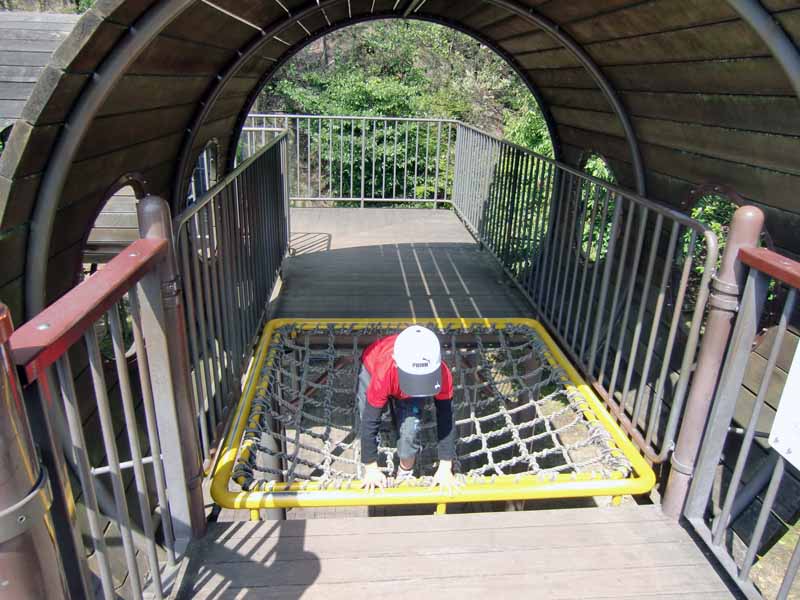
{"points": [[622, 552], [400, 263], [390, 263]]}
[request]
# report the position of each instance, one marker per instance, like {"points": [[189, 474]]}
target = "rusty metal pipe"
{"points": [[745, 231], [30, 565]]}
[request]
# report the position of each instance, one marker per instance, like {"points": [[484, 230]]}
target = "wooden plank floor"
{"points": [[620, 552], [381, 262]]}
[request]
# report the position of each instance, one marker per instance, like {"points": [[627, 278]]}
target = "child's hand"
{"points": [[373, 477], [445, 479]]}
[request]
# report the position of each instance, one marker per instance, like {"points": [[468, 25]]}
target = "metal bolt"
{"points": [[4, 583], [43, 327], [21, 519]]}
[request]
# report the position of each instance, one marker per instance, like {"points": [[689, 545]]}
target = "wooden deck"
{"points": [[623, 552], [390, 263], [404, 263]]}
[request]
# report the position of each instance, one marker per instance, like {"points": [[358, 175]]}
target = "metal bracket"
{"points": [[681, 468], [724, 295], [18, 518]]}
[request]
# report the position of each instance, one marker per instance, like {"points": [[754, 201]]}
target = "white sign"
{"points": [[785, 434]]}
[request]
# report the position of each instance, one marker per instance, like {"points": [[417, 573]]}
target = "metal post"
{"points": [[164, 325], [745, 231], [30, 565]]}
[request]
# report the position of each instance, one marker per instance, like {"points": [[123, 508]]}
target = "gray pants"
{"points": [[406, 415]]}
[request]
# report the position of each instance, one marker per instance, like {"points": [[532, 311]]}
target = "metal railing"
{"points": [[361, 160], [742, 499], [231, 243], [87, 386], [608, 271]]}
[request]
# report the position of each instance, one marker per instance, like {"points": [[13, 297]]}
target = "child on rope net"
{"points": [[404, 370]]}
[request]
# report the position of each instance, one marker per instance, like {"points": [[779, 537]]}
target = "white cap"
{"points": [[418, 356]]}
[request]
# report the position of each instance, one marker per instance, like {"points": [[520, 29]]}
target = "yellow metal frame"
{"points": [[509, 487]]}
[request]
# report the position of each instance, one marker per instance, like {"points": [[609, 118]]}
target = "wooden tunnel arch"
{"points": [[674, 93]]}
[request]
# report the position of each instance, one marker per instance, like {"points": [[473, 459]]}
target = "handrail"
{"points": [[610, 187], [658, 206], [734, 431], [773, 264], [40, 342], [180, 221]]}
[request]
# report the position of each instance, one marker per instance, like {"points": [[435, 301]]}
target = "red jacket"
{"points": [[377, 359]]}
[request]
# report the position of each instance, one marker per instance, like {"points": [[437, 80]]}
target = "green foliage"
{"points": [[410, 68], [598, 208]]}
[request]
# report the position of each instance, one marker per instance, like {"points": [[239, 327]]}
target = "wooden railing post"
{"points": [[164, 327]]}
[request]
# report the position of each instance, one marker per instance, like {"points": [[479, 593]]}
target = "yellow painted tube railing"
{"points": [[508, 487]]}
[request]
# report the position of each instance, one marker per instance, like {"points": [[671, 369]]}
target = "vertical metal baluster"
{"points": [[394, 162], [232, 242], [416, 162], [405, 162], [224, 298], [637, 332], [80, 457], [542, 221], [554, 206], [230, 282], [573, 250], [216, 286], [723, 520], [675, 324], [143, 364], [115, 473], [591, 305], [447, 163], [593, 195], [374, 158], [437, 154], [330, 158], [383, 160], [308, 193], [297, 154], [427, 157], [319, 157], [363, 159], [189, 290], [790, 575], [763, 516], [211, 341], [588, 201], [132, 429], [528, 231], [563, 216], [341, 157], [204, 393], [628, 301], [655, 326], [621, 277]]}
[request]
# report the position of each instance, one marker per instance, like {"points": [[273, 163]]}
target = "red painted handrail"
{"points": [[45, 338], [773, 264]]}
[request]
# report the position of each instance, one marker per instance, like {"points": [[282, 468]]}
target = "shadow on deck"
{"points": [[380, 263]]}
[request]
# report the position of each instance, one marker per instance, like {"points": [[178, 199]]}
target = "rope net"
{"points": [[515, 411]]}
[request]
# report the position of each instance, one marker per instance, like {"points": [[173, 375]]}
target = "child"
{"points": [[405, 368]]}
